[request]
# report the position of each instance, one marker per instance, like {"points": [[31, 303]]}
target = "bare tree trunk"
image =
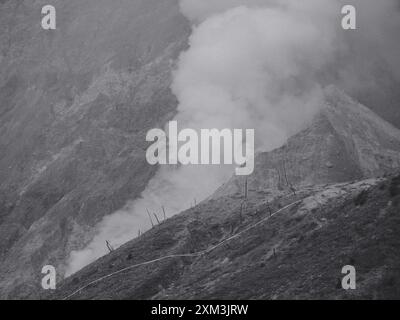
{"points": [[269, 209], [241, 213], [287, 181], [151, 220], [284, 172], [109, 246], [155, 215], [279, 178]]}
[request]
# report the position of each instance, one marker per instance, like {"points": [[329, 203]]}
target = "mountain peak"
{"points": [[345, 141], [351, 112]]}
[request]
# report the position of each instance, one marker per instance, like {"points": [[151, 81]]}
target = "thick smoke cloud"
{"points": [[172, 188], [253, 64]]}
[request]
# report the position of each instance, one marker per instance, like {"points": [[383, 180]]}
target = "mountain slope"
{"points": [[345, 141], [300, 205], [333, 226], [75, 106]]}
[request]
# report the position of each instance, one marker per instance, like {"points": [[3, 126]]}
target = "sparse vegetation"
{"points": [[287, 249]]}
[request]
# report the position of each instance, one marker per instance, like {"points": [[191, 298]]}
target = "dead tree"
{"points": [[269, 209], [151, 220], [279, 179], [284, 171], [109, 246], [246, 190], [155, 215], [241, 213], [232, 229], [165, 216], [289, 184]]}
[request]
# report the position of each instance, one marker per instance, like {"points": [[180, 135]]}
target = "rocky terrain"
{"points": [[329, 198], [75, 105], [297, 253]]}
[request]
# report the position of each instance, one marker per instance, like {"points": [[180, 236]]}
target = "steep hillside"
{"points": [[75, 105], [229, 253], [328, 198]]}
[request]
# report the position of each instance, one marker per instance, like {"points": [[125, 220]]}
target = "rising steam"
{"points": [[251, 64]]}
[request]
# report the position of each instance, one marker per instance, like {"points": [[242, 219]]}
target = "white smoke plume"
{"points": [[251, 64]]}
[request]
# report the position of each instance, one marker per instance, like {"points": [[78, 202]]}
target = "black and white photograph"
{"points": [[184, 151]]}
